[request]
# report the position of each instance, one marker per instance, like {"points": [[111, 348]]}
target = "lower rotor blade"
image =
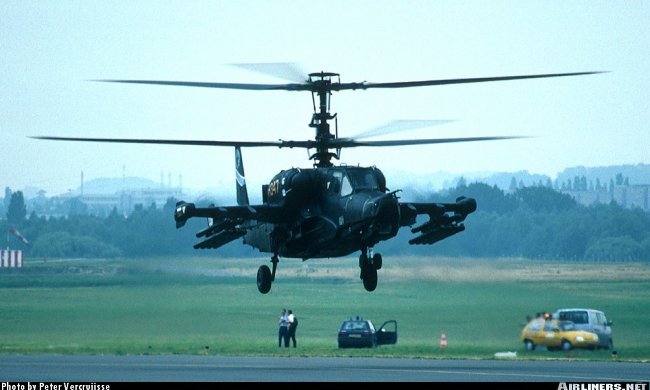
{"points": [[165, 141]]}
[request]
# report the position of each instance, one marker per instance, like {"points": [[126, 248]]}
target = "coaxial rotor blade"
{"points": [[283, 70], [200, 84], [399, 126], [321, 88], [333, 144], [350, 143], [404, 84], [168, 141]]}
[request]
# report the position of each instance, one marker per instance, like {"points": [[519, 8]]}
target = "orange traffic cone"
{"points": [[443, 340]]}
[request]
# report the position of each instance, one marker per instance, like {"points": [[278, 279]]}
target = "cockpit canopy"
{"points": [[346, 180], [303, 184]]}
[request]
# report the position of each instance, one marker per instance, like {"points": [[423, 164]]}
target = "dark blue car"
{"points": [[361, 333]]}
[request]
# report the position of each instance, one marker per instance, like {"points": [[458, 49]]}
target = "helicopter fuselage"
{"points": [[330, 212]]}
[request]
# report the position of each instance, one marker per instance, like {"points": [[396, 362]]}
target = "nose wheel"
{"points": [[369, 264]]}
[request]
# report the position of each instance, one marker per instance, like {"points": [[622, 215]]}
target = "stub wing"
{"points": [[445, 219], [226, 223]]}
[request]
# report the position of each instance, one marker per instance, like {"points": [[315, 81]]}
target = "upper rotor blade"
{"points": [[398, 126], [404, 84], [350, 143], [168, 141], [257, 87], [321, 88]]}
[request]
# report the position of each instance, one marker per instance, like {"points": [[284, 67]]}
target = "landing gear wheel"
{"points": [[363, 261], [377, 260], [264, 279], [369, 273], [566, 345]]}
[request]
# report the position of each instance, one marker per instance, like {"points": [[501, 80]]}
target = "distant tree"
{"points": [[619, 179], [544, 199], [64, 244], [576, 183], [17, 211], [76, 206], [615, 249], [645, 247], [6, 200], [513, 185], [490, 198]]}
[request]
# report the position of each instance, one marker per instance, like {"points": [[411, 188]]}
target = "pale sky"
{"points": [[50, 49]]}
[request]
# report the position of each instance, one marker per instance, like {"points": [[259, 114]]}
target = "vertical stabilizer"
{"points": [[242, 192]]}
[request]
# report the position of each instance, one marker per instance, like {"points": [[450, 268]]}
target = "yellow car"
{"points": [[556, 335]]}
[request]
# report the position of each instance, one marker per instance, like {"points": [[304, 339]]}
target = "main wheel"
{"points": [[363, 261], [369, 277], [264, 279], [566, 345]]}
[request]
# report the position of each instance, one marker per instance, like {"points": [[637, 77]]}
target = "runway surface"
{"points": [[196, 368]]}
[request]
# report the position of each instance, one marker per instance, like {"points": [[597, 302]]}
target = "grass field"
{"points": [[182, 306]]}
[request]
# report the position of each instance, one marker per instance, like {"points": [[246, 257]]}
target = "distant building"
{"points": [[628, 196], [102, 205], [125, 201]]}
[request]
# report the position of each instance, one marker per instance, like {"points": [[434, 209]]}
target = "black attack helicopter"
{"points": [[325, 211]]}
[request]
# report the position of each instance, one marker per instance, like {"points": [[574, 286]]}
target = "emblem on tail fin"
{"points": [[242, 192]]}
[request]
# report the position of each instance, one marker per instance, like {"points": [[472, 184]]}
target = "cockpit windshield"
{"points": [[362, 179], [347, 181]]}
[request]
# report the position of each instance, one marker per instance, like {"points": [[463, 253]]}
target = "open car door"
{"points": [[387, 333]]}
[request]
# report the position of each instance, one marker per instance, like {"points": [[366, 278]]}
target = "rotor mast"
{"points": [[322, 87]]}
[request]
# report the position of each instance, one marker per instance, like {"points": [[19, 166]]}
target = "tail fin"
{"points": [[242, 192]]}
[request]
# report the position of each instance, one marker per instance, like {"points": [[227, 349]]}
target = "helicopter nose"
{"points": [[384, 209]]}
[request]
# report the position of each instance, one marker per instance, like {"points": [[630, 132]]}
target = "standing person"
{"points": [[293, 324], [283, 332]]}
